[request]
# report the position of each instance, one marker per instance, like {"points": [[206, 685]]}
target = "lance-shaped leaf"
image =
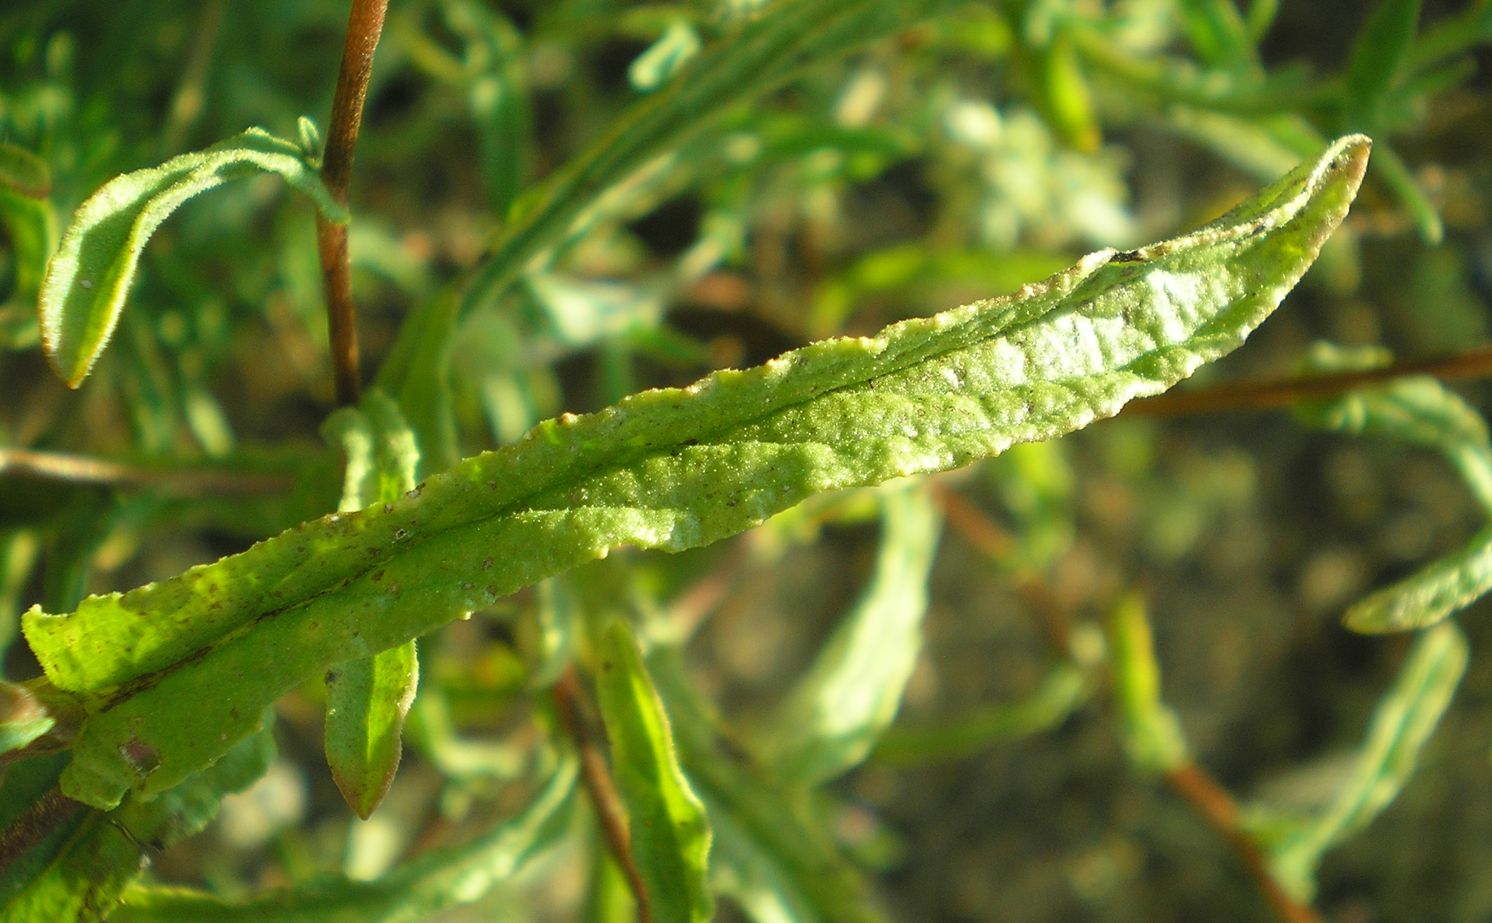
{"points": [[26, 215], [89, 277], [1423, 412], [421, 889], [853, 690], [367, 698], [666, 824], [181, 668], [1403, 723]]}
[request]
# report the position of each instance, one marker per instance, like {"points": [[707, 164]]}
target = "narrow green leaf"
{"points": [[417, 375], [1152, 734], [368, 698], [1423, 412], [1427, 596], [1378, 56], [417, 891], [89, 277], [1403, 723], [183, 665], [771, 855], [1219, 32], [853, 690], [84, 880], [664, 58], [755, 56], [27, 219], [667, 826], [1063, 689], [23, 173]]}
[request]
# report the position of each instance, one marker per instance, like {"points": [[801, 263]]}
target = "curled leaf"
{"points": [[89, 277]]}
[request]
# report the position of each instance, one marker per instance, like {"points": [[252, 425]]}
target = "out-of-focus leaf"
{"points": [[368, 698], [770, 855], [667, 826], [23, 717], [1404, 721], [29, 228], [417, 891], [1378, 57], [89, 277], [669, 469], [1063, 689], [1423, 412], [84, 880], [1152, 735], [853, 690], [665, 57], [1064, 95], [1219, 32], [754, 57]]}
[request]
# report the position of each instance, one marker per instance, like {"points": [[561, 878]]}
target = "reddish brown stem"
{"points": [[1216, 806], [1265, 395], [364, 25], [569, 701]]}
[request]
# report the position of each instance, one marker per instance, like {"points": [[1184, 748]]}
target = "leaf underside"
{"points": [[185, 666]]}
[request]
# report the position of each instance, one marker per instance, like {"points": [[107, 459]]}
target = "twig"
{"points": [[1217, 807], [82, 469], [364, 25], [990, 539], [570, 703], [1265, 395]]}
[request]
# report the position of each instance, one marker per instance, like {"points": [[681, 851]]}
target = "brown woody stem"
{"points": [[364, 25], [1266, 395], [569, 701], [1217, 807]]}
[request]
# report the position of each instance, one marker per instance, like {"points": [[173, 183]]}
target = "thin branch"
{"points": [[569, 701], [1217, 807], [364, 25], [1266, 395], [83, 469]]}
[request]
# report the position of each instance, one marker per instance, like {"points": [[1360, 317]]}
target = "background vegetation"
{"points": [[949, 155]]}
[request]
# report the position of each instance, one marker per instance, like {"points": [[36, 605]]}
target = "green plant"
{"points": [[563, 728]]}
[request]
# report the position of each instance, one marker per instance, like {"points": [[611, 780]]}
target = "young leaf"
{"points": [[436, 881], [1404, 721], [667, 826], [368, 698], [853, 690], [184, 666], [89, 277]]}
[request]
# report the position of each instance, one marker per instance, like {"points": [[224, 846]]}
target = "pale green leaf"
{"points": [[1422, 412], [89, 277], [1449, 583], [184, 665], [833, 717], [368, 698], [667, 827], [664, 58], [419, 890], [1403, 723]]}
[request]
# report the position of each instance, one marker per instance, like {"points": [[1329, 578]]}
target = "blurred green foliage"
{"points": [[546, 220]]}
